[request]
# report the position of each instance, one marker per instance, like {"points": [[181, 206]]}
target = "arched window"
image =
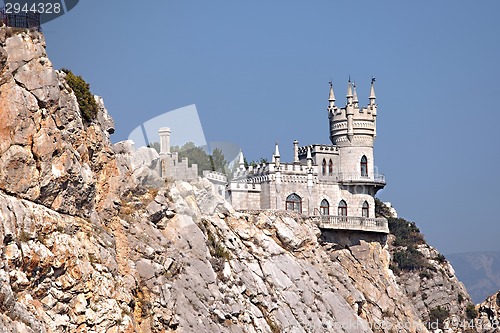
{"points": [[323, 167], [330, 167], [365, 210], [342, 208], [324, 207], [364, 166], [294, 202]]}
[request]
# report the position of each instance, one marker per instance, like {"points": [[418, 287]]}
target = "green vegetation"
{"points": [[155, 146], [441, 258], [406, 232], [86, 101], [425, 274], [254, 163], [407, 238], [381, 210], [216, 248], [197, 155], [410, 259], [437, 316], [470, 311], [218, 161]]}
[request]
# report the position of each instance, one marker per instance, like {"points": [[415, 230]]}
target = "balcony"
{"points": [[354, 178], [351, 223]]}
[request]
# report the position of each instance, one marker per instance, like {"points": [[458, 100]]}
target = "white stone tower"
{"points": [[164, 140], [353, 130]]}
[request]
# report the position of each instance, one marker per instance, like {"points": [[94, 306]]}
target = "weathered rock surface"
{"points": [[435, 287], [48, 154], [92, 240]]}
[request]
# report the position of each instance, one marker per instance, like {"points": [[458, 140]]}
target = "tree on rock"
{"points": [[86, 101]]}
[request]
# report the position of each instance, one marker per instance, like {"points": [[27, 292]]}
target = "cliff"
{"points": [[93, 241]]}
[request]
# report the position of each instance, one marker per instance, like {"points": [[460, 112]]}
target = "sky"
{"points": [[258, 72]]}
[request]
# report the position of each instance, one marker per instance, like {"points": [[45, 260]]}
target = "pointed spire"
{"points": [[355, 95], [331, 98], [242, 160], [277, 158], [372, 92], [349, 88]]}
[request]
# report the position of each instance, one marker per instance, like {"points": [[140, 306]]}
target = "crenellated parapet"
{"points": [[352, 125]]}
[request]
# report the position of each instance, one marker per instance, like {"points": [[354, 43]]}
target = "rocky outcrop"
{"points": [[486, 315], [92, 240], [48, 154], [435, 287]]}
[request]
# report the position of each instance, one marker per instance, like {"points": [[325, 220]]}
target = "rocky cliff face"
{"points": [[93, 241], [435, 288]]}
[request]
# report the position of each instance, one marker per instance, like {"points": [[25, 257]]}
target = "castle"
{"points": [[332, 183]]}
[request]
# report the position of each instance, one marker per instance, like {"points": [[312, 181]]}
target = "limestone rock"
{"points": [[93, 240]]}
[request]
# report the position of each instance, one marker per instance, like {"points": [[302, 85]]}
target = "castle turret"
{"points": [[372, 107], [349, 111], [353, 130], [296, 152]]}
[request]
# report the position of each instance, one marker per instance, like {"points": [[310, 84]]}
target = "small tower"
{"points": [[241, 163], [355, 100], [353, 130], [296, 152], [277, 158], [164, 133], [331, 99]]}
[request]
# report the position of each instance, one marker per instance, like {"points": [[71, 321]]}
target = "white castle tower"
{"points": [[353, 131]]}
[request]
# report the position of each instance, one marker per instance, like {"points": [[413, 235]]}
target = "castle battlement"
{"points": [[352, 120]]}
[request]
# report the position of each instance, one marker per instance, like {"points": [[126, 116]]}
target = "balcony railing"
{"points": [[351, 223], [344, 177]]}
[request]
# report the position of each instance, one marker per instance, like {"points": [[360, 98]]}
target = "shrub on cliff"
{"points": [[437, 316], [410, 259], [86, 101], [407, 233], [470, 311], [381, 210]]}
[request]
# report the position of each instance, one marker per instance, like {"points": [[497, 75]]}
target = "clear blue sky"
{"points": [[258, 72]]}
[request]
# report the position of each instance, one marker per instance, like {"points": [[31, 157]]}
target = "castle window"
{"points": [[324, 207], [342, 208], [294, 202], [364, 166], [323, 167], [365, 210], [330, 167]]}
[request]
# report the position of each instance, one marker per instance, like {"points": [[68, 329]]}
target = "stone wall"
{"points": [[271, 199], [175, 169]]}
